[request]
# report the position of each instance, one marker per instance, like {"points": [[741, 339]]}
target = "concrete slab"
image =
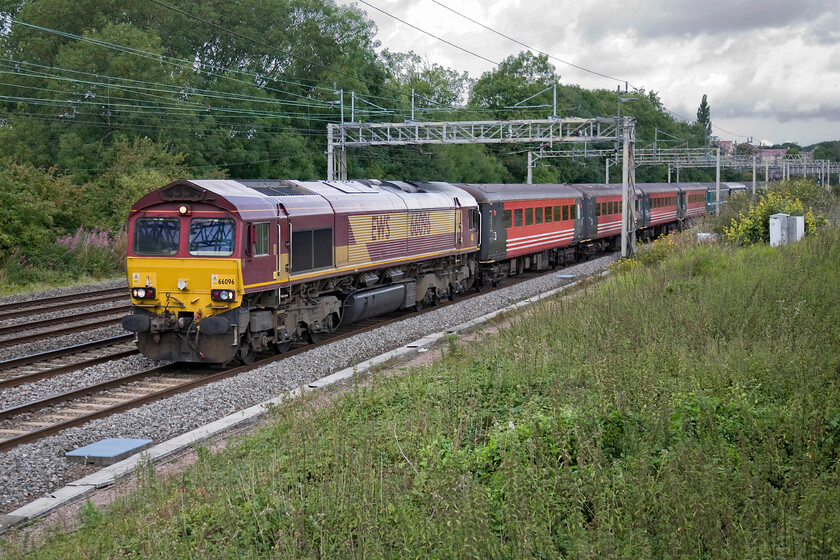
{"points": [[107, 451]]}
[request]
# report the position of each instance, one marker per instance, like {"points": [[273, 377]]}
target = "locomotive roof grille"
{"points": [[182, 192], [277, 188]]}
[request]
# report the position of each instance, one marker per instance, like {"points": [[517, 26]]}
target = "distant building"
{"points": [[726, 147], [772, 153]]}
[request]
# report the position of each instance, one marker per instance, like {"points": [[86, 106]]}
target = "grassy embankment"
{"points": [[687, 406]]}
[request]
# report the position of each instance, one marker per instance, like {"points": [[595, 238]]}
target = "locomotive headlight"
{"points": [[222, 295], [143, 293], [184, 210]]}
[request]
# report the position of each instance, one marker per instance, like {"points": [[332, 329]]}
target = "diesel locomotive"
{"points": [[222, 269]]}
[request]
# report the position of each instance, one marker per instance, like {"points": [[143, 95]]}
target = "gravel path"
{"points": [[30, 471]]}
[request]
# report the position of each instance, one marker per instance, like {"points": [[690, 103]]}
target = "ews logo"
{"points": [[380, 228]]}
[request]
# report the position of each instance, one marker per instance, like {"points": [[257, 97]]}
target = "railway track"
{"points": [[61, 303], [32, 421], [44, 365], [82, 322]]}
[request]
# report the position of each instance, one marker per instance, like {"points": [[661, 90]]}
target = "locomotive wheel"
{"points": [[246, 353]]}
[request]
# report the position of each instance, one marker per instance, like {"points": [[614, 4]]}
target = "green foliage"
{"points": [[753, 224], [704, 117], [36, 206]]}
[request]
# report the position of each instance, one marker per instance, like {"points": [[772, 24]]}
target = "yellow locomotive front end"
{"points": [[186, 283]]}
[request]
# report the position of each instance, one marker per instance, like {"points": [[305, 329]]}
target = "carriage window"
{"points": [[157, 236], [517, 217], [565, 212], [612, 207], [212, 237], [598, 209], [260, 239], [529, 216], [548, 214], [620, 207], [507, 221], [573, 211], [539, 215], [557, 211]]}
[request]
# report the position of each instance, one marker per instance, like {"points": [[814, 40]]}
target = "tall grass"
{"points": [[688, 408]]}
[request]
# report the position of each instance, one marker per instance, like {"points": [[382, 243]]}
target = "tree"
{"points": [[827, 150], [704, 119], [515, 80]]}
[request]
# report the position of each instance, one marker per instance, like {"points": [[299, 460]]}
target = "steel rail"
{"points": [[32, 325], [54, 372], [66, 351], [40, 310], [58, 332], [77, 299]]}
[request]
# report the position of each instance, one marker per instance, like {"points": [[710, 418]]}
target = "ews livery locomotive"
{"points": [[222, 269]]}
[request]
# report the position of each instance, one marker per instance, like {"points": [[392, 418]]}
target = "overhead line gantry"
{"points": [[543, 132]]}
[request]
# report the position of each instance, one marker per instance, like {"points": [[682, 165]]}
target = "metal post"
{"points": [[753, 174], [628, 191], [330, 154], [342, 164], [352, 106], [717, 183], [669, 173], [412, 103], [530, 179], [767, 171]]}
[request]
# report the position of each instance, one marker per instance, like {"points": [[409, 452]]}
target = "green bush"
{"points": [[754, 225]]}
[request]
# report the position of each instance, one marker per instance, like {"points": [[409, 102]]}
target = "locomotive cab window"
{"points": [[157, 236], [212, 237], [473, 218], [260, 239]]}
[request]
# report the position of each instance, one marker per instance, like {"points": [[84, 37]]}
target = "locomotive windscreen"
{"points": [[156, 236], [212, 237]]}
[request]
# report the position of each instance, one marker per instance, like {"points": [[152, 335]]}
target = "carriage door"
{"points": [[580, 224], [282, 251], [589, 221], [459, 224]]}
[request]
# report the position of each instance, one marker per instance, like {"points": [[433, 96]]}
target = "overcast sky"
{"points": [[770, 68]]}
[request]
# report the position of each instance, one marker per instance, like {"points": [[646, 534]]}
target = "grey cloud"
{"points": [[688, 18], [780, 112]]}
